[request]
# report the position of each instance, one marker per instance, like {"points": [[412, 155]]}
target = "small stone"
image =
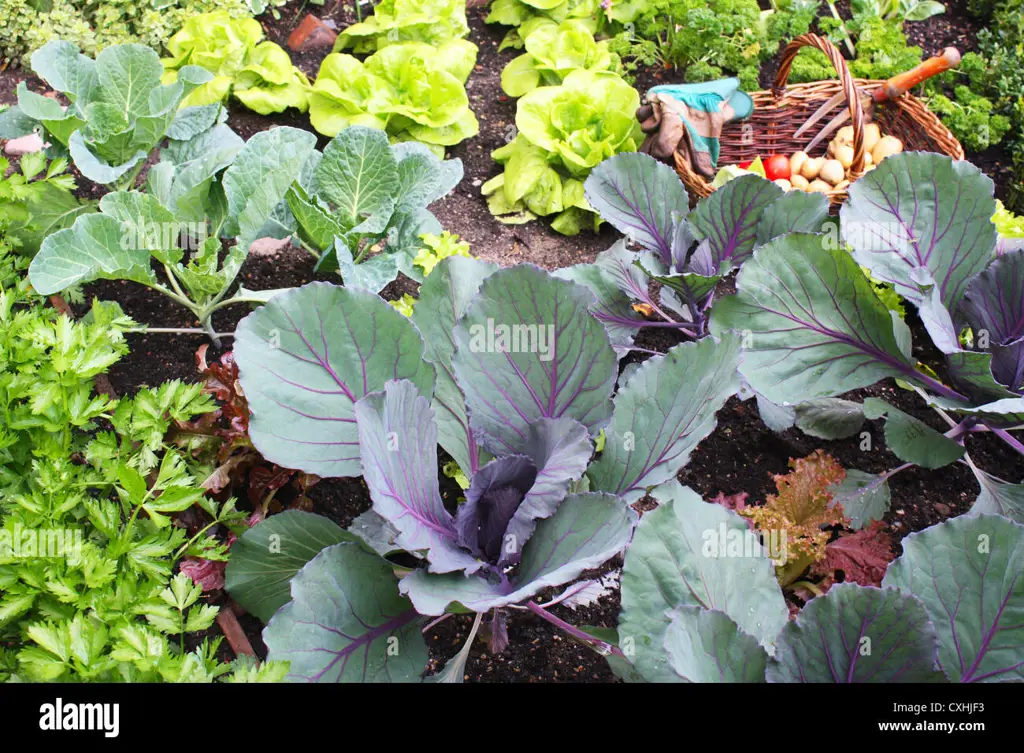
{"points": [[478, 182], [942, 509], [268, 246], [24, 145], [311, 34]]}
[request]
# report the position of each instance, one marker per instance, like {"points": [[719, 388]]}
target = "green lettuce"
{"points": [[527, 15], [259, 74], [552, 52], [431, 21], [412, 90], [564, 132]]}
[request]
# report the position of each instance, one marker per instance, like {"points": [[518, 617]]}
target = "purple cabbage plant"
{"points": [[950, 608], [813, 326], [509, 372], [687, 252]]}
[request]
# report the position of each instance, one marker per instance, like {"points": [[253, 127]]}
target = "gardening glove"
{"points": [[688, 118]]}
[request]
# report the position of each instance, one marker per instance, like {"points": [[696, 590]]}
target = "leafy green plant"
{"points": [[437, 248], [433, 22], [531, 518], [203, 190], [899, 10], [370, 234], [564, 132], [257, 73], [971, 118], [881, 50], [87, 550], [37, 199], [553, 52], [707, 40], [119, 110], [412, 90]]}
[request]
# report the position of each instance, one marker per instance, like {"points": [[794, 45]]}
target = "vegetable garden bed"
{"points": [[736, 438]]}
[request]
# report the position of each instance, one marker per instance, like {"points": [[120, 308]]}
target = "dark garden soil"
{"points": [[739, 456]]}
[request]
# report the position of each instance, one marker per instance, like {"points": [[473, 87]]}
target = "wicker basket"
{"points": [[780, 112]]}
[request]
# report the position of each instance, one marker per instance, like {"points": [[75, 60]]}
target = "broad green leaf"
{"points": [[705, 645], [998, 497], [681, 555], [922, 219], [94, 167], [444, 297], [864, 496], [266, 557], [612, 307], [969, 573], [359, 176], [261, 175], [126, 76], [663, 412], [641, 197], [423, 177], [306, 357], [811, 322], [857, 634], [316, 225], [528, 348], [830, 418], [89, 250], [347, 622], [793, 212], [586, 531], [912, 440], [728, 219], [64, 68]]}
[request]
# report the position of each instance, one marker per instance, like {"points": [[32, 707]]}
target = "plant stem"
{"points": [[605, 649], [842, 25], [175, 331], [1011, 440]]}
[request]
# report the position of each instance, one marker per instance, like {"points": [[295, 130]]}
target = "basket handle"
{"points": [[845, 79]]}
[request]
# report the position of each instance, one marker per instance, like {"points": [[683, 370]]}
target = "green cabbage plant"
{"points": [[564, 132], [412, 90], [431, 21], [259, 74]]}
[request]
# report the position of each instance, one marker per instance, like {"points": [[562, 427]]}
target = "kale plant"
{"points": [[511, 375]]}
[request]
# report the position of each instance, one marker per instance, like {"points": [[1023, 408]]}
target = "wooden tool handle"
{"points": [[904, 82]]}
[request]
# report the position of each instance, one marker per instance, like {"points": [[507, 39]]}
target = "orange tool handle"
{"points": [[903, 82]]}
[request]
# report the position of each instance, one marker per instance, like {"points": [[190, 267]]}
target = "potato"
{"points": [[868, 159], [819, 186], [886, 147], [844, 136], [812, 167], [796, 162], [799, 182], [784, 184], [872, 133], [844, 154], [832, 171]]}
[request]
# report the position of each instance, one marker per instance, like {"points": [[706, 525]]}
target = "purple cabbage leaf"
{"points": [[969, 574], [305, 359]]}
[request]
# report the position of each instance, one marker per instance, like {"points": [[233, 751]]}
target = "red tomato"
{"points": [[745, 165], [777, 166]]}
